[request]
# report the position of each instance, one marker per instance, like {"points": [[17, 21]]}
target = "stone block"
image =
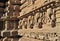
{"points": [[6, 34], [14, 33], [15, 2]]}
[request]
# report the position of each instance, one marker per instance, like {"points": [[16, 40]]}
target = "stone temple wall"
{"points": [[30, 20]]}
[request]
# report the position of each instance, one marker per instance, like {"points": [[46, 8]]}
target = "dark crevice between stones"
{"points": [[17, 36], [1, 25], [1, 37], [3, 1]]}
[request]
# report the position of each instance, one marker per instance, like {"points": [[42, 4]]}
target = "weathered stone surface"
{"points": [[34, 20]]}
